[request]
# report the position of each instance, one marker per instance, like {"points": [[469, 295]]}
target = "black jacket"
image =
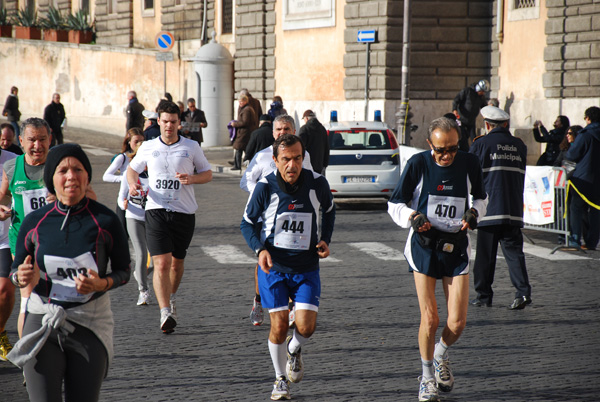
{"points": [[260, 139], [134, 114], [54, 114], [468, 104], [553, 139], [11, 108], [503, 158], [585, 151], [316, 142]]}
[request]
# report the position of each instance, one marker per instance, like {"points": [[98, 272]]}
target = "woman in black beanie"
{"points": [[65, 248]]}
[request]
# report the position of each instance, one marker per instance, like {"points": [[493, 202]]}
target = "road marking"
{"points": [[228, 254], [96, 151], [379, 251], [543, 252]]}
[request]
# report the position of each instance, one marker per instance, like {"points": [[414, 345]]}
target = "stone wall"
{"points": [[255, 47], [114, 29], [572, 54], [450, 47]]}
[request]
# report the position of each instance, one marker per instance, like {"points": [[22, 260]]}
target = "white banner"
{"points": [[538, 196]]}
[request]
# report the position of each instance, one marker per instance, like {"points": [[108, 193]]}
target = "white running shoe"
{"points": [[167, 322], [144, 298], [295, 366], [281, 389], [428, 391], [443, 375], [256, 315]]}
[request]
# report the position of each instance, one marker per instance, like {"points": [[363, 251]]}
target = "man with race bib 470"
{"points": [[432, 199]]}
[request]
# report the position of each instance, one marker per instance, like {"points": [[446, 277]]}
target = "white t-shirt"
{"points": [[5, 156], [164, 162], [262, 165]]}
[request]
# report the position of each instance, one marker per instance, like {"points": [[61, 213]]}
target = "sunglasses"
{"points": [[449, 150]]}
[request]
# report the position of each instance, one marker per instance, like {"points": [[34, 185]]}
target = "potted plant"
{"points": [[5, 25], [80, 30], [54, 26], [27, 26]]}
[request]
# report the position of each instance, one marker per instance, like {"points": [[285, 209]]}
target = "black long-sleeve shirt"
{"points": [[55, 235]]}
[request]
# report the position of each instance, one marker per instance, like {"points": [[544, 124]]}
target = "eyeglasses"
{"points": [[449, 150]]}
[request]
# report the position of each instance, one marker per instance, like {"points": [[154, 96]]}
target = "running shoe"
{"points": [[173, 308], [167, 322], [144, 298], [256, 315], [5, 346], [428, 392], [281, 389], [443, 375], [294, 367], [292, 316]]}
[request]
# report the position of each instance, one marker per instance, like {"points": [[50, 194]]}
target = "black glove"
{"points": [[417, 220], [471, 218]]}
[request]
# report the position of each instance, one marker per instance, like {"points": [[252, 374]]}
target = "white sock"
{"points": [[427, 369], [166, 309], [296, 342], [279, 358], [441, 350]]}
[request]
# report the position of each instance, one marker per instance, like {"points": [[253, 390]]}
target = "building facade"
{"points": [[542, 57]]}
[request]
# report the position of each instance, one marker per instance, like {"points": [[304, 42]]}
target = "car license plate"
{"points": [[359, 179]]}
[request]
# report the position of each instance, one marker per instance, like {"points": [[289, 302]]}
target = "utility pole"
{"points": [[404, 114]]}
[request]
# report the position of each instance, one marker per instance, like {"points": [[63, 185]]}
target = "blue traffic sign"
{"points": [[164, 41], [369, 36]]}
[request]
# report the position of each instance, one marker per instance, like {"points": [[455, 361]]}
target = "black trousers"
{"points": [[511, 240]]}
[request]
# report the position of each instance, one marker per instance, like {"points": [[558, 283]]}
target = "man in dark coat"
{"points": [[260, 138], [193, 121], [11, 109], [316, 141], [54, 114], [245, 124], [134, 112], [503, 158], [467, 104], [584, 185]]}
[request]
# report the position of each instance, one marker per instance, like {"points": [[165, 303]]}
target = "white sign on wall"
{"points": [[304, 14]]}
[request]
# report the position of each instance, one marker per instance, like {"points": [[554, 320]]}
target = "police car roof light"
{"points": [[378, 115], [333, 116]]}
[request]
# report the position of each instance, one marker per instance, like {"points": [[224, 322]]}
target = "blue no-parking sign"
{"points": [[164, 41]]}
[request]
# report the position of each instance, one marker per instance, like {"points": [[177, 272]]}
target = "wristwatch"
{"points": [[14, 278], [259, 250]]}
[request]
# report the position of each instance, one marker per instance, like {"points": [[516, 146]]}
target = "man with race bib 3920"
{"points": [[172, 161]]}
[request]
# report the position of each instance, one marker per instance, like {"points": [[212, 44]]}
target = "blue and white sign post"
{"points": [[164, 41], [368, 37]]}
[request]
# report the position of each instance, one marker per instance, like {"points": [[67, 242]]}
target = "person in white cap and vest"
{"points": [[503, 159]]}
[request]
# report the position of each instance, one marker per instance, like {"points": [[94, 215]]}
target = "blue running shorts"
{"points": [[277, 288]]}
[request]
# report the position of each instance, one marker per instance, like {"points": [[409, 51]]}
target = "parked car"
{"points": [[364, 159]]}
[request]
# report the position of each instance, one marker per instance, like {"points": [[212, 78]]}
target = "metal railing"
{"points": [[561, 218]]}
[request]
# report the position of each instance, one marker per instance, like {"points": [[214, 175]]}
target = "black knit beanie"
{"points": [[57, 154]]}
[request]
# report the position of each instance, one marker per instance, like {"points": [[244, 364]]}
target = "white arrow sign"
{"points": [[367, 36]]}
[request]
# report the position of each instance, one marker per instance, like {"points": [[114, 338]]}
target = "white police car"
{"points": [[363, 159]]}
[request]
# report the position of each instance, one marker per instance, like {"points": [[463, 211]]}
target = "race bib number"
{"points": [[445, 212], [33, 199], [63, 271], [292, 230], [167, 187]]}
